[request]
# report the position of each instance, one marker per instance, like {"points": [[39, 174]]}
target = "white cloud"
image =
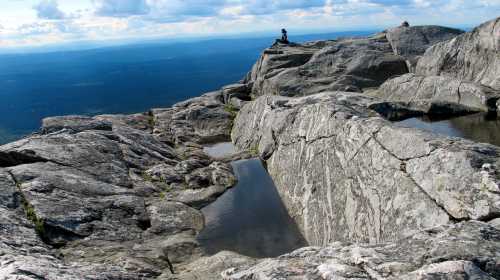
{"points": [[113, 19], [121, 8], [49, 9]]}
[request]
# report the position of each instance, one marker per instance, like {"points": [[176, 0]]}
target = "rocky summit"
{"points": [[120, 196]]}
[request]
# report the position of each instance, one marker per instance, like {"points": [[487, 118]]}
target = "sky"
{"points": [[26, 23]]}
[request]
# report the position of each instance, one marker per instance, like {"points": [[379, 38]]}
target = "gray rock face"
{"points": [[73, 124], [345, 174], [473, 56], [439, 94], [347, 64], [350, 64], [210, 268], [467, 250], [276, 59], [412, 42], [204, 119], [23, 255], [102, 197]]}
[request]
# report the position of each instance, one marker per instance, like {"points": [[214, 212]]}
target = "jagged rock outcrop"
{"points": [[276, 59], [473, 56], [201, 120], [453, 77], [346, 174], [439, 94], [467, 250], [347, 64], [104, 198], [412, 42]]}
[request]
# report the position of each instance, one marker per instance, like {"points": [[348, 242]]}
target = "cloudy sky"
{"points": [[40, 22]]}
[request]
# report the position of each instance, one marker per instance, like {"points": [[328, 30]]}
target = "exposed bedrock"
{"points": [[439, 94], [104, 198], [204, 119], [346, 174], [347, 64], [412, 42], [468, 250], [473, 56]]}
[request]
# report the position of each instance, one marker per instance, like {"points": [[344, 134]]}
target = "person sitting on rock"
{"points": [[284, 36], [405, 24]]}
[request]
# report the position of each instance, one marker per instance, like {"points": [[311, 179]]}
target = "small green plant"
{"points": [[30, 212], [254, 151], [232, 182], [31, 215], [151, 120], [231, 110], [162, 195], [147, 177]]}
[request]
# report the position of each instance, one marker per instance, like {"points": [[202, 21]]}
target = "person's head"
{"points": [[405, 24], [283, 30]]}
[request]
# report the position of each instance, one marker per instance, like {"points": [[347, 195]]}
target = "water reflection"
{"points": [[478, 127], [250, 219]]}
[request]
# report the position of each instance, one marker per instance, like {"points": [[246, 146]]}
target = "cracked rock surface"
{"points": [[468, 250], [346, 174], [106, 198]]}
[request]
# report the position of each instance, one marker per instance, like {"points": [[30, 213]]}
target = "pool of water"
{"points": [[220, 150], [478, 127], [250, 219]]}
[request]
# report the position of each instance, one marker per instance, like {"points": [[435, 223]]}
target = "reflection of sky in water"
{"points": [[477, 127], [250, 218], [220, 150]]}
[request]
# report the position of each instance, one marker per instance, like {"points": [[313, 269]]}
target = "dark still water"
{"points": [[250, 219], [478, 127], [126, 79]]}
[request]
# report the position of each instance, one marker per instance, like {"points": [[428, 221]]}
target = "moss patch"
{"points": [[231, 110], [254, 151], [30, 212]]}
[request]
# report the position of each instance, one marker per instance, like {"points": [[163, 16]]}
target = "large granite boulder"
{"points": [[467, 250], [439, 94], [345, 174], [204, 119], [276, 59], [473, 56]]}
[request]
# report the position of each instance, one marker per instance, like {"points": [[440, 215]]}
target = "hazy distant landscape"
{"points": [[125, 79]]}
